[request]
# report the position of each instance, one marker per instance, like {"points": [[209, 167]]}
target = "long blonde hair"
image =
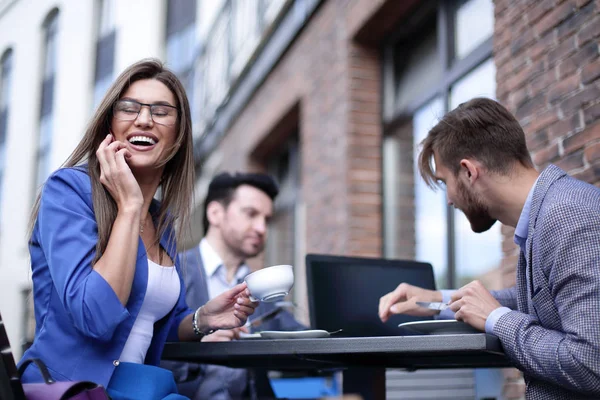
{"points": [[177, 182]]}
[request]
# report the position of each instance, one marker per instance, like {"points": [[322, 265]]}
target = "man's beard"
{"points": [[236, 246], [476, 212]]}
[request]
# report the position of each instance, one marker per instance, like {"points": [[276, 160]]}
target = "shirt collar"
{"points": [[212, 261], [522, 228]]}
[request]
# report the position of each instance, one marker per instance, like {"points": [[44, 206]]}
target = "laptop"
{"points": [[344, 292]]}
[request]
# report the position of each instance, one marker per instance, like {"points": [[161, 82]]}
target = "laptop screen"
{"points": [[344, 292]]}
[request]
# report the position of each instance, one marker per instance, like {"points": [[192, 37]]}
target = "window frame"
{"points": [[6, 83], [50, 29], [105, 49], [213, 104], [452, 70], [287, 201]]}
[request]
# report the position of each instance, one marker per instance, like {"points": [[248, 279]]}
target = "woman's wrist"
{"points": [[200, 323], [132, 215]]}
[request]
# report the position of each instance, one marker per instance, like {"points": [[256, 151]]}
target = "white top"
{"points": [[216, 272], [161, 296]]}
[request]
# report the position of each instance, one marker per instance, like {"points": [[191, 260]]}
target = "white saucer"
{"points": [[249, 336], [308, 334], [439, 327]]}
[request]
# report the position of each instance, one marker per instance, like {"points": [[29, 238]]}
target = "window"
{"points": [[216, 64], [440, 58], [283, 244], [244, 32], [475, 254], [431, 226], [231, 32], [5, 87], [181, 41], [474, 21], [280, 244], [270, 9], [47, 104], [105, 49]]}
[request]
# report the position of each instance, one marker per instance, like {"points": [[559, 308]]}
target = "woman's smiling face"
{"points": [[148, 135]]}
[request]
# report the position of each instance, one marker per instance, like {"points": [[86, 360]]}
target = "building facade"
{"points": [[338, 115], [330, 96], [56, 60]]}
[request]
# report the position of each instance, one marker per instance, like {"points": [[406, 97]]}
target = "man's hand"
{"points": [[225, 335], [402, 301], [472, 304]]}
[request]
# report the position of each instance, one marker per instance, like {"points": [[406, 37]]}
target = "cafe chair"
{"points": [[10, 384]]}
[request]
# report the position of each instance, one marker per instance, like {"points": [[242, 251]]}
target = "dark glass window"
{"points": [[105, 49], [46, 130], [438, 59], [5, 90]]}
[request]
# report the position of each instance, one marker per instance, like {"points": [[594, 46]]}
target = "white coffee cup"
{"points": [[270, 284]]}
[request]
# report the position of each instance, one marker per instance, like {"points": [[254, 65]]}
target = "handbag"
{"points": [[53, 390]]}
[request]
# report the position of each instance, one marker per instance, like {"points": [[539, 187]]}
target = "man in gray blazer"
{"points": [[549, 323], [237, 211]]}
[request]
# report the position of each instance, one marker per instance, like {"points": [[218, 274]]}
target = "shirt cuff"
{"points": [[447, 313], [494, 316], [446, 294]]}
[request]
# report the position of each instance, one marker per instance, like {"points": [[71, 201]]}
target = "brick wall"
{"points": [[334, 84], [548, 75], [548, 70], [364, 152]]}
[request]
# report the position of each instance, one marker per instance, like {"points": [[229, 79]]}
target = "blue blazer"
{"points": [[193, 380], [81, 326], [554, 333]]}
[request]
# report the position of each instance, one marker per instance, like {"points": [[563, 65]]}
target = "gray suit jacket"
{"points": [[199, 381], [554, 337]]}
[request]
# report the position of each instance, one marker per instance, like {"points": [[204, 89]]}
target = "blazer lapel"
{"points": [[195, 279], [548, 176], [522, 302]]}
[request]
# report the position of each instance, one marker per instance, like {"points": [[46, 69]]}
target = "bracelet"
{"points": [[197, 330]]}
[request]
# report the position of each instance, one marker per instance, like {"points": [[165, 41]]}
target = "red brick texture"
{"points": [[548, 74], [335, 84]]}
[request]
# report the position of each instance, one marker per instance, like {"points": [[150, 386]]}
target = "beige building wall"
{"points": [[140, 27]]}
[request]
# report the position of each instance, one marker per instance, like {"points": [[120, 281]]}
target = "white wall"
{"points": [[141, 27], [209, 10], [140, 33]]}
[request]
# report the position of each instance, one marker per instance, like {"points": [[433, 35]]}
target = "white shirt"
{"points": [[161, 296], [216, 273]]}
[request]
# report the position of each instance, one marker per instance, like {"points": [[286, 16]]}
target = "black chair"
{"points": [[10, 384]]}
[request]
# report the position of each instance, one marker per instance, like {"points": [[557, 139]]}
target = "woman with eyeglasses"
{"points": [[107, 284]]}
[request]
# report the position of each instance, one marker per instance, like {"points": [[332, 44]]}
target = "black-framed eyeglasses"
{"points": [[129, 110]]}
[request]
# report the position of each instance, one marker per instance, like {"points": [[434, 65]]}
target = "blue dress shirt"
{"points": [[521, 232]]}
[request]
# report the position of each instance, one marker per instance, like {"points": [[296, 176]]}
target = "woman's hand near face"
{"points": [[117, 264], [116, 176]]}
